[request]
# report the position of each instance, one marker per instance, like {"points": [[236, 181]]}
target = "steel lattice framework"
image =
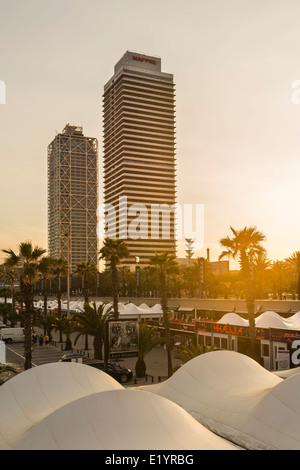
{"points": [[73, 196]]}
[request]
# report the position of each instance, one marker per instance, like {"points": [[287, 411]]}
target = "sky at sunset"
{"points": [[237, 124]]}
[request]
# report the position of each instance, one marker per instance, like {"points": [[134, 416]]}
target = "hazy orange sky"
{"points": [[238, 131]]}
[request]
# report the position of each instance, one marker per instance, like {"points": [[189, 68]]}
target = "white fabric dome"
{"points": [[237, 398], [124, 420], [233, 319], [271, 321], [32, 395]]}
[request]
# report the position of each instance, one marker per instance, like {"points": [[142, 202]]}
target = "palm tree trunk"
{"points": [[13, 295], [86, 300], [140, 367], [45, 296], [27, 293], [164, 306], [114, 273], [251, 317], [59, 306], [68, 344], [98, 344], [86, 288], [247, 269]]}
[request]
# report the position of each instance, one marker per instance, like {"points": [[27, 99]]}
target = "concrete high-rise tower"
{"points": [[139, 154], [73, 197]]}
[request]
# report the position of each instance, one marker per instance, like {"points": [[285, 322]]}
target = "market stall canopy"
{"points": [[129, 308], [268, 319], [233, 319]]}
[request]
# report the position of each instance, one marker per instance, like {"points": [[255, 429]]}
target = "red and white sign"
{"points": [[144, 59]]}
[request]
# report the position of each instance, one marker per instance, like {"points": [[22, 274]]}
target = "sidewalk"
{"points": [[156, 360]]}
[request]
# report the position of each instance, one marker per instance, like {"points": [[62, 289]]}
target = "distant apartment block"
{"points": [[73, 196]]}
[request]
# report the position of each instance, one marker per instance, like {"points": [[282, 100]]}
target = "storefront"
{"points": [[273, 346], [228, 337], [276, 347], [182, 333]]}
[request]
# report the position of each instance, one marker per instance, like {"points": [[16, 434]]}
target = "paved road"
{"points": [[156, 360], [41, 354]]}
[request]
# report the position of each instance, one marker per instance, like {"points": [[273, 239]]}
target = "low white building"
{"points": [[275, 339]]}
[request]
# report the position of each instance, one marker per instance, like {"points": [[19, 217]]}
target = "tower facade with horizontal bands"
{"points": [[73, 197], [139, 155]]}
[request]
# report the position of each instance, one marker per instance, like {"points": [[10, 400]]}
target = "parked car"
{"points": [[121, 374], [72, 357]]}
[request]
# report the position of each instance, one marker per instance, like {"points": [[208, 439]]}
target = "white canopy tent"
{"points": [[124, 420], [214, 400], [29, 397], [74, 406], [238, 399], [125, 309], [267, 319]]}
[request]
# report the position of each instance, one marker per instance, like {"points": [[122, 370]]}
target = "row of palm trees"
{"points": [[163, 264], [34, 263], [91, 322], [272, 278], [246, 245]]}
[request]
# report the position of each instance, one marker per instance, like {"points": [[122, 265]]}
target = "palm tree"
{"points": [[186, 353], [164, 264], [113, 251], [261, 270], [245, 245], [202, 274], [4, 368], [47, 323], [92, 322], [85, 269], [148, 339], [67, 327], [149, 280], [293, 263], [45, 269], [58, 325], [29, 257], [59, 267], [279, 272], [127, 281], [11, 275]]}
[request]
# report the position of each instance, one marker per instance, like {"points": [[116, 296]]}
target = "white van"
{"points": [[10, 335]]}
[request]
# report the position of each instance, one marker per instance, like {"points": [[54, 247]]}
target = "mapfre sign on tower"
{"points": [[144, 59]]}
